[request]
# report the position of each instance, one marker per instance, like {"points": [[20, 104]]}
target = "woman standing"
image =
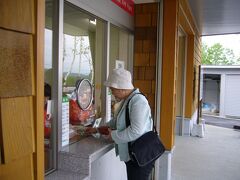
{"points": [[120, 83]]}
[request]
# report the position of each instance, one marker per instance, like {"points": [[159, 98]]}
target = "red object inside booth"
{"points": [[79, 116]]}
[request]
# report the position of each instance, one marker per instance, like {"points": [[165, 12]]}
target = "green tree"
{"points": [[217, 55], [237, 61]]}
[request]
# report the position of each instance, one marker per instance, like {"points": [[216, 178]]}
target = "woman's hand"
{"points": [[108, 135], [90, 130], [103, 130]]}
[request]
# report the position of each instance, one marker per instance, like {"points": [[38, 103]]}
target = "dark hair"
{"points": [[47, 90]]}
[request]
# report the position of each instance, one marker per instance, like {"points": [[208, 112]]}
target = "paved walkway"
{"points": [[214, 157], [221, 122]]}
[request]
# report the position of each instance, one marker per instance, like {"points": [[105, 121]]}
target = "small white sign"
{"points": [[120, 64], [65, 121], [49, 107], [108, 106]]}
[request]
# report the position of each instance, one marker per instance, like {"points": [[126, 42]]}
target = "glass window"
{"points": [[121, 48], [83, 44], [48, 78], [121, 56]]}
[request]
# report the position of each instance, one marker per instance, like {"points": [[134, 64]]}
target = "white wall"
{"points": [[232, 95], [218, 70], [108, 167], [222, 95], [188, 124], [223, 71]]}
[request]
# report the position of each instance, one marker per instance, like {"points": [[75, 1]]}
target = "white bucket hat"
{"points": [[119, 79]]}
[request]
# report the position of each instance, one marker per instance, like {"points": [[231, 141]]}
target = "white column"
{"points": [[222, 95], [163, 166]]}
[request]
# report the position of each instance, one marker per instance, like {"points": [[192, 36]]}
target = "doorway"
{"points": [[211, 94], [180, 83]]}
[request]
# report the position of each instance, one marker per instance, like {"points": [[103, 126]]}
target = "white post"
{"points": [[222, 94]]}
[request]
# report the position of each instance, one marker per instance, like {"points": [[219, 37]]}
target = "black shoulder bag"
{"points": [[147, 148]]}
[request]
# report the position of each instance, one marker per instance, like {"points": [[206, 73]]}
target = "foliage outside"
{"points": [[218, 55]]}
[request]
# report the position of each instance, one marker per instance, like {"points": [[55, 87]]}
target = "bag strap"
{"points": [[127, 119]]}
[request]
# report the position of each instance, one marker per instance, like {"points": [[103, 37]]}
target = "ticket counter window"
{"points": [[81, 73], [121, 56], [121, 48]]}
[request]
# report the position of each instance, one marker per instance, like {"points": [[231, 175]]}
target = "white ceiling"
{"points": [[216, 16]]}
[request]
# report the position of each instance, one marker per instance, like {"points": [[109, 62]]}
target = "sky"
{"points": [[231, 41]]}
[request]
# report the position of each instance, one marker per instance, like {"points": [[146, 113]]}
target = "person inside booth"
{"points": [[47, 115]]}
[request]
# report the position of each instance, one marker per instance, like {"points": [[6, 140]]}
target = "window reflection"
{"points": [[77, 60], [48, 79], [82, 59]]}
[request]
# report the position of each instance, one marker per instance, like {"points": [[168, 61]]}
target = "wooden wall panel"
{"points": [[17, 127], [198, 49], [189, 77], [180, 75], [197, 62], [22, 77], [184, 5], [177, 15], [144, 86], [18, 170], [198, 44], [16, 59], [17, 15], [186, 21], [145, 50], [197, 55], [39, 80]]}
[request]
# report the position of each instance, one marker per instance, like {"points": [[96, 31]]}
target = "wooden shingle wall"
{"points": [[21, 89], [187, 22], [145, 49], [197, 62]]}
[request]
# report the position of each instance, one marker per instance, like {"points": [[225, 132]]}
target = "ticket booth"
{"points": [[82, 45]]}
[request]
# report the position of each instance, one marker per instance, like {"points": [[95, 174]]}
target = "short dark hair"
{"points": [[47, 90]]}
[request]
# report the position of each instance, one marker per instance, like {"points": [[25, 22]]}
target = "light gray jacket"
{"points": [[140, 123]]}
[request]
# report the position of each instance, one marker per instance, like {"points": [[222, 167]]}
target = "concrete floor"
{"points": [[214, 157]]}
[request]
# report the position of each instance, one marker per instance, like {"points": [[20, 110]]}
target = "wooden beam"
{"points": [[167, 123], [39, 98]]}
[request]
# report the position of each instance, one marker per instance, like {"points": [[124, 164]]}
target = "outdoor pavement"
{"points": [[216, 156], [221, 122]]}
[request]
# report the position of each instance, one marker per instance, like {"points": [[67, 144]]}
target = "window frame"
{"points": [[57, 66]]}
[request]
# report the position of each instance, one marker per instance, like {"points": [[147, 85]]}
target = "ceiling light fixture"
{"points": [[93, 21]]}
